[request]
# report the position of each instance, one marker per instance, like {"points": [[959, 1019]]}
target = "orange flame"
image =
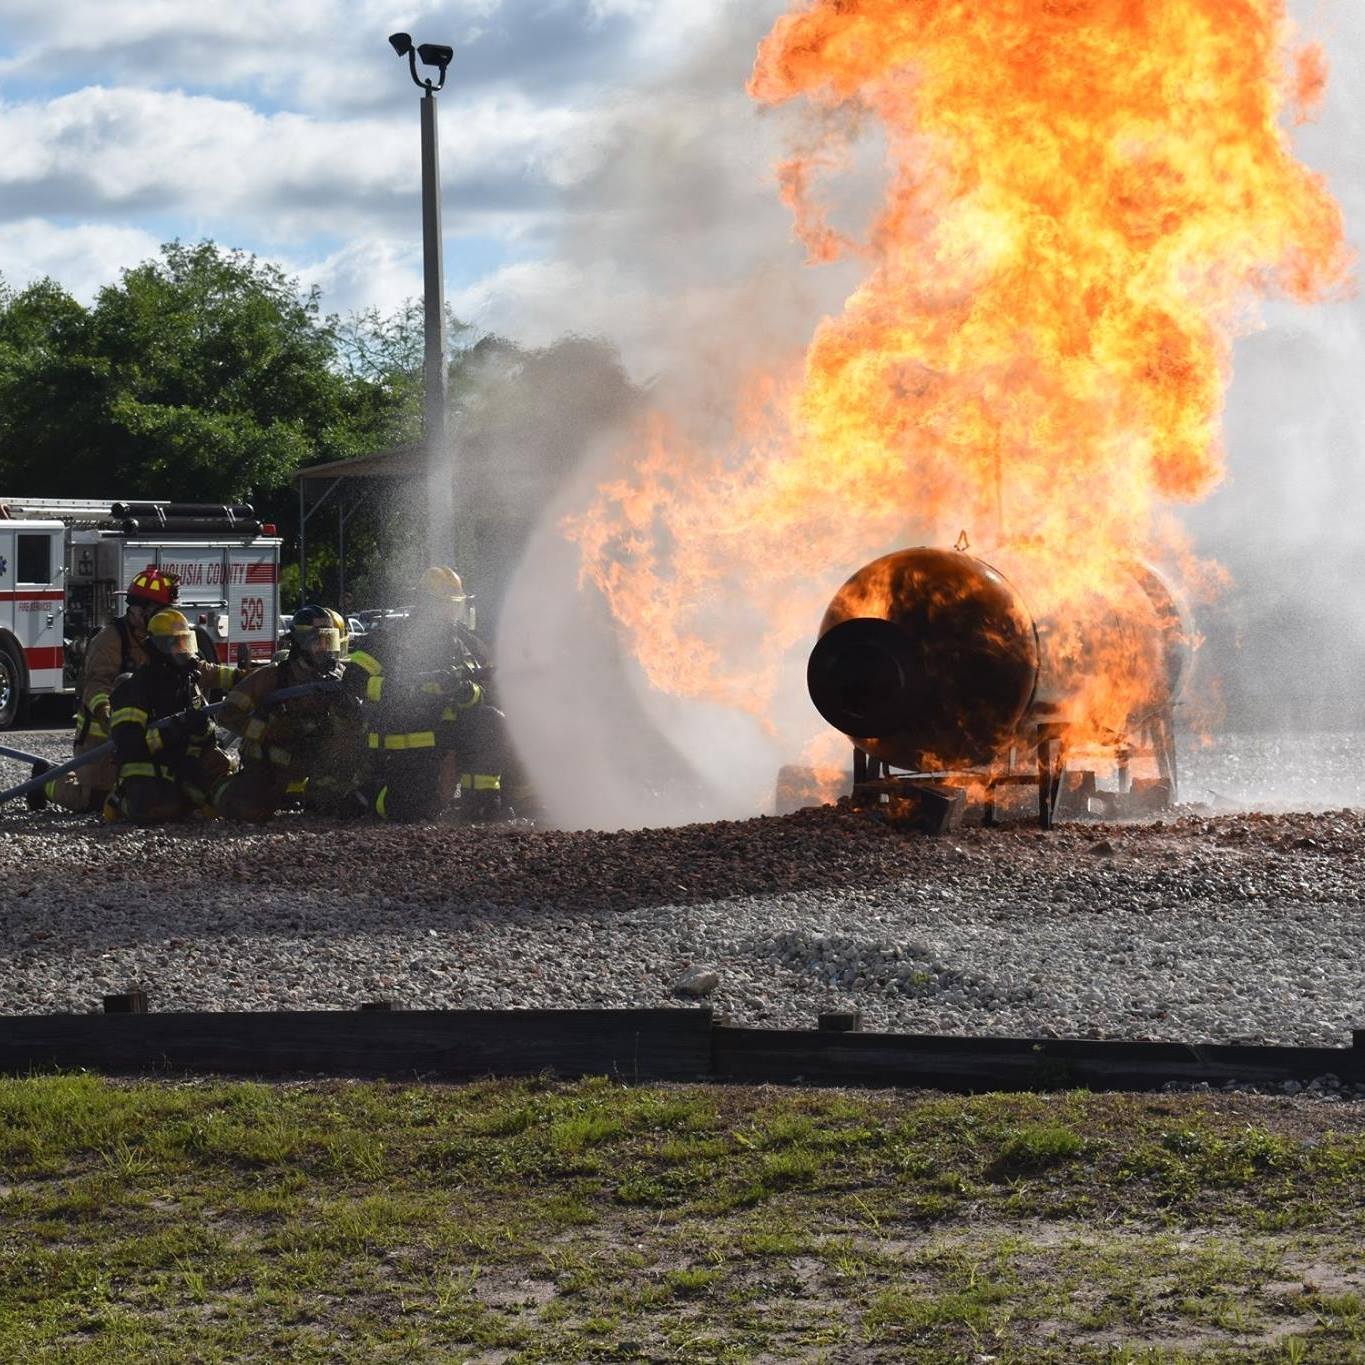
{"points": [[1084, 199]]}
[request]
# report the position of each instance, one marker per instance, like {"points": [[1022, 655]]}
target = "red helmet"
{"points": [[154, 587]]}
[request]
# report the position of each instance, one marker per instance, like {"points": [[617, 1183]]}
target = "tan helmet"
{"points": [[343, 630], [443, 583], [171, 638]]}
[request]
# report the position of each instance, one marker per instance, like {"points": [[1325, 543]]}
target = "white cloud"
{"points": [[321, 55], [378, 273], [367, 274], [124, 153], [82, 259], [641, 187]]}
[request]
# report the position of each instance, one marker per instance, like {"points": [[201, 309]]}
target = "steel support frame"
{"points": [[346, 509]]}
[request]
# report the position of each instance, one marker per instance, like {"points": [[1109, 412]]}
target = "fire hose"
{"points": [[20, 755], [101, 750]]}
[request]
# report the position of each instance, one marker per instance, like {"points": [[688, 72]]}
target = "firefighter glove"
{"points": [[185, 727], [347, 703], [462, 689]]}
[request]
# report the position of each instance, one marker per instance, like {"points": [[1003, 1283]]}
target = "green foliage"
{"points": [[914, 1310], [1184, 1161], [382, 354], [202, 375], [1035, 1147]]}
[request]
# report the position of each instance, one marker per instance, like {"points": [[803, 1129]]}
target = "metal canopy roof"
{"points": [[398, 462]]}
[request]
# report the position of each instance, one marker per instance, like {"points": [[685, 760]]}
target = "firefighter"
{"points": [[167, 773], [118, 648], [429, 729], [307, 747]]}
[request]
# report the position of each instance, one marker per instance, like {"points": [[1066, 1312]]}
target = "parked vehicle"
{"points": [[65, 566]]}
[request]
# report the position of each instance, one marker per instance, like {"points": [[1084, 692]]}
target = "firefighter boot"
{"points": [[37, 798], [481, 807]]}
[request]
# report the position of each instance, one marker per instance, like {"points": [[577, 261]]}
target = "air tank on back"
{"points": [[930, 659]]}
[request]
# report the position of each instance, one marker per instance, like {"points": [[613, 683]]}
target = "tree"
{"points": [[202, 375], [384, 354], [49, 382]]}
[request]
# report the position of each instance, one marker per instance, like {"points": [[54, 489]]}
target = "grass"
{"points": [[533, 1221]]}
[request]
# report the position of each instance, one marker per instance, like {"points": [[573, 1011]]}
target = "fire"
{"points": [[1084, 201]]}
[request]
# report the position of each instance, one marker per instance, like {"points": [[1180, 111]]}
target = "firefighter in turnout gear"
{"points": [[167, 773], [305, 747], [429, 731], [119, 648]]}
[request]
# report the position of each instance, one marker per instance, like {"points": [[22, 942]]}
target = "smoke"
{"points": [[681, 254], [1285, 641]]}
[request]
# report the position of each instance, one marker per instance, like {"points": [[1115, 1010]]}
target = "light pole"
{"points": [[440, 459]]}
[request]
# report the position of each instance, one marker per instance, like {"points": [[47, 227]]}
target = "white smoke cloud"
{"points": [[1287, 638], [677, 249]]}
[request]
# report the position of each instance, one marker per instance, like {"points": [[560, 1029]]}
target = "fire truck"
{"points": [[65, 567]]}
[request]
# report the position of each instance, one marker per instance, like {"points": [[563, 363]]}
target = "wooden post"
{"points": [[134, 1002]]}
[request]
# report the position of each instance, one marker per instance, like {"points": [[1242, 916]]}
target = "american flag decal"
{"points": [[260, 573]]}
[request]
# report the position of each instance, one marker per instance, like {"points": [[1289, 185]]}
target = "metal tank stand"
{"points": [[1039, 758], [1155, 739], [913, 800], [1047, 740]]}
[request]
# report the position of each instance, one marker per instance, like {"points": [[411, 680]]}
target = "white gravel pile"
{"points": [[1235, 928]]}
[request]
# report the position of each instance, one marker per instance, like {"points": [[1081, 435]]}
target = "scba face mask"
{"points": [[172, 640], [322, 649]]}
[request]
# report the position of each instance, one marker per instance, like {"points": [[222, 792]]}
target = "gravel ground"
{"points": [[1202, 927]]}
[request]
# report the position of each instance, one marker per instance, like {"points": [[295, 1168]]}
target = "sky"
{"points": [[290, 128], [603, 170]]}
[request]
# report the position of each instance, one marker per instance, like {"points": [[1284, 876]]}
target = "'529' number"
{"points": [[253, 613]]}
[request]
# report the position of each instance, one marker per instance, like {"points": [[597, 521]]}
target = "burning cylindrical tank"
{"points": [[930, 659]]}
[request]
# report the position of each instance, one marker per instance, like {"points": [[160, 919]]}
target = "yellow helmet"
{"points": [[171, 637], [442, 583], [343, 629]]}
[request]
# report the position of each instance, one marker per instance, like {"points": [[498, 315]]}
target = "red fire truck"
{"points": [[65, 567]]}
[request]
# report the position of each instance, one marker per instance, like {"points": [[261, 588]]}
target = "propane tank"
{"points": [[930, 658], [926, 658], [1134, 632]]}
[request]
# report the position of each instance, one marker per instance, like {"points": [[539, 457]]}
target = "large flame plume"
{"points": [[1084, 201]]}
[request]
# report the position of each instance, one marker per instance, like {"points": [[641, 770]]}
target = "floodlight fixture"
{"points": [[436, 54], [432, 54]]}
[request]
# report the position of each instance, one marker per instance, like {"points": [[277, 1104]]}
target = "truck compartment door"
{"points": [[39, 603], [254, 599]]}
